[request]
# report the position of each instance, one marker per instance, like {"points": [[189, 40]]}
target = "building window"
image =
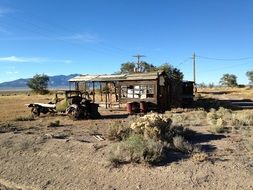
{"points": [[123, 91], [138, 91]]}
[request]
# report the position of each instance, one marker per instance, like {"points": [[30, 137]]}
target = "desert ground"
{"points": [[36, 155]]}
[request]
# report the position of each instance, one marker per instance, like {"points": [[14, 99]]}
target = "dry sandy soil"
{"points": [[36, 156]]}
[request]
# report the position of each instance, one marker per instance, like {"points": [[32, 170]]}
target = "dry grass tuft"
{"points": [[61, 135], [25, 118], [118, 131], [26, 144], [219, 126], [9, 127], [54, 124], [244, 118], [136, 149], [199, 157], [191, 118], [182, 145]]}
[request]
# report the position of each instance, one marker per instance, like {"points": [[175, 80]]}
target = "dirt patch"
{"points": [[35, 158]]}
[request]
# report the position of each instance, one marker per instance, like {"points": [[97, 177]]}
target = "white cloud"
{"points": [[67, 61], [81, 38], [12, 59], [16, 59], [12, 72]]}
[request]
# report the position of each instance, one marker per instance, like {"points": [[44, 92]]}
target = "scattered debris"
{"points": [[60, 135], [99, 137]]}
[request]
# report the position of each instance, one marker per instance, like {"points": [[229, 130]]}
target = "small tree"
{"points": [[249, 74], [39, 83], [172, 72], [147, 67], [228, 80], [127, 67]]}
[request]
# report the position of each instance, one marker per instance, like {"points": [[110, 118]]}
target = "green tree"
{"points": [[171, 71], [147, 67], [127, 67], [39, 83], [229, 80], [249, 74]]}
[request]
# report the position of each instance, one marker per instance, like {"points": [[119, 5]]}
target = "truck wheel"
{"points": [[36, 111], [73, 113]]}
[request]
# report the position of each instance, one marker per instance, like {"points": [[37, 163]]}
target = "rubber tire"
{"points": [[74, 113], [36, 111]]}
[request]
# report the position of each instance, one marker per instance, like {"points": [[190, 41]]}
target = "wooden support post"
{"points": [[93, 91], [76, 86], [106, 95], [116, 95], [101, 92], [110, 94]]}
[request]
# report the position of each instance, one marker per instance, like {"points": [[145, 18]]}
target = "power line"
{"points": [[184, 61], [225, 59], [227, 67]]}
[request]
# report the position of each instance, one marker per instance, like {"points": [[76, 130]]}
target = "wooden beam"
{"points": [[101, 92], [106, 84], [93, 91]]}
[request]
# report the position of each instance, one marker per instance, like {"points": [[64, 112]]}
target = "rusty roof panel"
{"points": [[97, 78], [120, 77]]}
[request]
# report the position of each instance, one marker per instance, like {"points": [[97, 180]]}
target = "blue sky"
{"points": [[96, 36]]}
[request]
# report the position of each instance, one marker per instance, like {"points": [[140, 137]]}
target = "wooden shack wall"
{"points": [[162, 97], [163, 93], [176, 92]]}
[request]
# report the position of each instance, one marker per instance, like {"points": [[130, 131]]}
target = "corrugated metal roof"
{"points": [[82, 78], [97, 78], [120, 77], [142, 76]]}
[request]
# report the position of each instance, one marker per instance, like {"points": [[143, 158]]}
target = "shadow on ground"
{"points": [[175, 156], [235, 104], [115, 116]]}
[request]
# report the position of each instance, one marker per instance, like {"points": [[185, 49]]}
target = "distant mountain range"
{"points": [[54, 82]]}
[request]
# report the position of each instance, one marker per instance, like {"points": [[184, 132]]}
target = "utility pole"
{"points": [[138, 61], [194, 71]]}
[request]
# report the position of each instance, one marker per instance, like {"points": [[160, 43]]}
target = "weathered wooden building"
{"points": [[155, 89]]}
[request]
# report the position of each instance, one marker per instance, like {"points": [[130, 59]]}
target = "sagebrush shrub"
{"points": [[151, 126], [136, 149], [118, 131], [182, 145], [146, 138]]}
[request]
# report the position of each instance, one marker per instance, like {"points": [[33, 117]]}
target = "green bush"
{"points": [[147, 140], [219, 126], [118, 131], [152, 126], [136, 149], [182, 145]]}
